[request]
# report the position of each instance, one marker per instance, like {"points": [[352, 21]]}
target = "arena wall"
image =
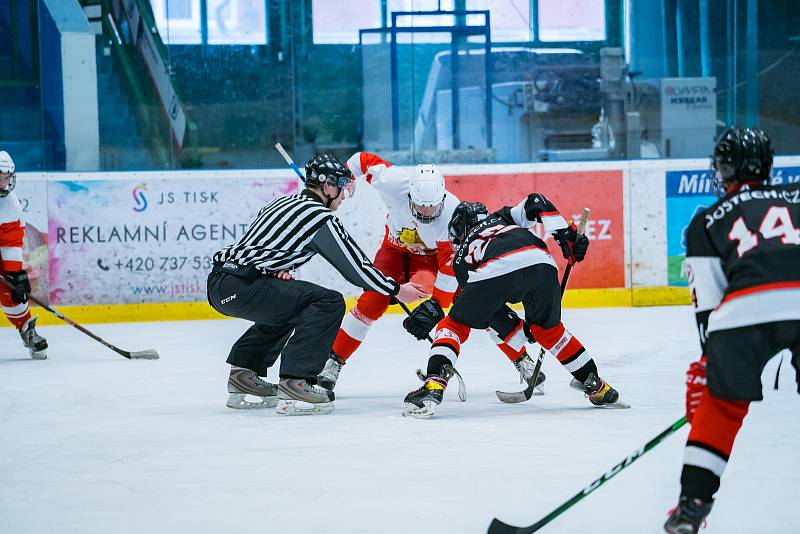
{"points": [[106, 247]]}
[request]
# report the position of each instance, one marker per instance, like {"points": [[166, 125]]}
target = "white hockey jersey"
{"points": [[403, 230], [12, 233]]}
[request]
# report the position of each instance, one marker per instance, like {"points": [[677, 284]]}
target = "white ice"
{"points": [[93, 443]]}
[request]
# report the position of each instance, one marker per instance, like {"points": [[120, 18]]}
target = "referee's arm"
{"points": [[335, 245]]}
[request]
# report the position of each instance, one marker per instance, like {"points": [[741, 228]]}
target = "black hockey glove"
{"points": [[22, 287], [573, 246], [423, 319]]}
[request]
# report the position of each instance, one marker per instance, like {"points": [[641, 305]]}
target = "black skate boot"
{"points": [[330, 374], [422, 402], [36, 344], [314, 400], [687, 517], [599, 392], [242, 382]]}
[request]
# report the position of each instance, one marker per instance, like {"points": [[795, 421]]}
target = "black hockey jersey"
{"points": [[743, 259], [503, 242]]}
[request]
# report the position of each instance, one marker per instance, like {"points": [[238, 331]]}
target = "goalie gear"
{"points": [[424, 317], [426, 193], [8, 174]]}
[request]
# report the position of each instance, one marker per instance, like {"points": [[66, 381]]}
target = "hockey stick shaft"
{"points": [[145, 354], [498, 527], [289, 160], [528, 391]]}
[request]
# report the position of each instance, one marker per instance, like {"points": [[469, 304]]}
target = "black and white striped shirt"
{"points": [[289, 231]]}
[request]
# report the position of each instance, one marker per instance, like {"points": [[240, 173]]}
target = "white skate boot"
{"points": [[36, 344]]}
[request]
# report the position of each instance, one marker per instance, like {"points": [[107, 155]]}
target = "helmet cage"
{"points": [[12, 182]]}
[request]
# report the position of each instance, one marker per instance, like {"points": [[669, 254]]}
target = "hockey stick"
{"points": [[149, 354], [527, 393], [498, 527], [289, 160]]}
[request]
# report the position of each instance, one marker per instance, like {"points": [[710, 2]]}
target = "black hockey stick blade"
{"points": [[498, 527]]}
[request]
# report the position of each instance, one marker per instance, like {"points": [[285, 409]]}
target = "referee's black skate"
{"points": [[36, 344], [298, 397], [599, 392], [687, 517], [243, 383]]}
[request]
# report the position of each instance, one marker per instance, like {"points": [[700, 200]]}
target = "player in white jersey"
{"points": [[14, 301], [416, 240]]}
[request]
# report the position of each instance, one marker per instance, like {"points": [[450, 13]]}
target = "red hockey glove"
{"points": [[695, 386]]}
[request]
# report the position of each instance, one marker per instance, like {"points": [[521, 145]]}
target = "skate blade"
{"points": [[291, 407], [38, 354], [412, 410], [237, 401]]}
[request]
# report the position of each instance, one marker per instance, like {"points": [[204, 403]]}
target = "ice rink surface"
{"points": [[93, 443]]}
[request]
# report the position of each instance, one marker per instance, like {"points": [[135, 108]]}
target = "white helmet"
{"points": [[7, 171], [426, 190]]}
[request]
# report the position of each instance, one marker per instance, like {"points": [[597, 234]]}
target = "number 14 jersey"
{"points": [[743, 259]]}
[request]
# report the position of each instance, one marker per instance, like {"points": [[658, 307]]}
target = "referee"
{"points": [[297, 320]]}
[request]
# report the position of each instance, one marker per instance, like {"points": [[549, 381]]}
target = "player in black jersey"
{"points": [[498, 261], [743, 266]]}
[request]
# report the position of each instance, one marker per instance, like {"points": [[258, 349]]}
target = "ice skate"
{"points": [[526, 366], [599, 392], [421, 403], [330, 374], [243, 383], [298, 397], [36, 344], [687, 517]]}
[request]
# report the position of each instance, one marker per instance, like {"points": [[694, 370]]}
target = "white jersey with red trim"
{"points": [[403, 230], [12, 233], [743, 259]]}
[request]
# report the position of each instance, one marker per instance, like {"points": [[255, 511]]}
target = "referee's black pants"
{"points": [[293, 319]]}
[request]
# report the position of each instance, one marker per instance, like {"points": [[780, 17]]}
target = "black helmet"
{"points": [[327, 168], [742, 155], [465, 217]]}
